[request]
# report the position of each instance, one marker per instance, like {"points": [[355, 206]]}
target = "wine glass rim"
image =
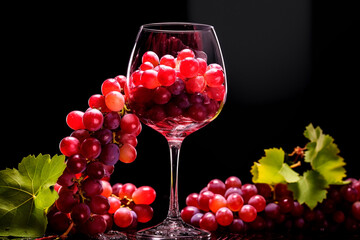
{"points": [[176, 27]]}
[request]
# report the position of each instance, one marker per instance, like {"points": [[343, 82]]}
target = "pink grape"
{"points": [[127, 190], [232, 181], [217, 202], [144, 195], [217, 186], [93, 119], [248, 213], [234, 202], [69, 146], [95, 224], [74, 120], [144, 213], [90, 148], [123, 217], [187, 213], [110, 85], [151, 57], [258, 202], [115, 101], [224, 216], [208, 222]]}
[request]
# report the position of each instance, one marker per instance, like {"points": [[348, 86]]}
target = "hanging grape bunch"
{"points": [[104, 134]]}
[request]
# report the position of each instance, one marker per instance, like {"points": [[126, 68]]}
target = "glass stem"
{"points": [[174, 146]]}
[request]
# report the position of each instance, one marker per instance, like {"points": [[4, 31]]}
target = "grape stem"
{"points": [[64, 235]]}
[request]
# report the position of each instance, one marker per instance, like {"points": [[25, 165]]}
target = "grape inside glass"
{"points": [[176, 84]]}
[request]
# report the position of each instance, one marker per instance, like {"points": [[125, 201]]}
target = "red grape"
{"points": [[248, 213], [74, 120], [144, 195], [123, 217]]}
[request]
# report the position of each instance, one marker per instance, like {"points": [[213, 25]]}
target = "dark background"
{"points": [[289, 63]]}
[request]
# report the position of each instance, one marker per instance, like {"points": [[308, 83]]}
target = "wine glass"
{"points": [[176, 84]]}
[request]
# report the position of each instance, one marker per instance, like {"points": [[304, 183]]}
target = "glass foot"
{"points": [[172, 229]]}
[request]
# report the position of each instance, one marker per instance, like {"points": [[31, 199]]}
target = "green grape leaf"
{"points": [[322, 154], [26, 193], [271, 168], [310, 189]]}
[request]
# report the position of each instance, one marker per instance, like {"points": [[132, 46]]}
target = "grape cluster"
{"points": [[174, 86], [102, 135], [261, 207]]}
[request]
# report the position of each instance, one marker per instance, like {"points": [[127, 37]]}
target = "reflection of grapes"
{"points": [[103, 135], [259, 207]]}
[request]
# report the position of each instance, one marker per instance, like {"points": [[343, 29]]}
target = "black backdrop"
{"points": [[289, 63]]}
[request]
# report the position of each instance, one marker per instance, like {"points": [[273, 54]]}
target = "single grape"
{"points": [[144, 195], [127, 190], [123, 217], [217, 202], [74, 120], [69, 146], [208, 222], [66, 201], [128, 138], [98, 101], [168, 60], [112, 120], [203, 200], [217, 186], [234, 202], [76, 163], [188, 212], [107, 189], [237, 225], [104, 136], [114, 204], [110, 85], [247, 213], [166, 75], [95, 224], [272, 210], [224, 216], [286, 204], [130, 123], [80, 134], [127, 153], [90, 148], [114, 101], [232, 181], [214, 77], [95, 170], [151, 57], [192, 200], [258, 202], [59, 222], [116, 188], [195, 220], [99, 204], [67, 178], [91, 187], [110, 154], [80, 213], [93, 119], [184, 54], [144, 213], [146, 66]]}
